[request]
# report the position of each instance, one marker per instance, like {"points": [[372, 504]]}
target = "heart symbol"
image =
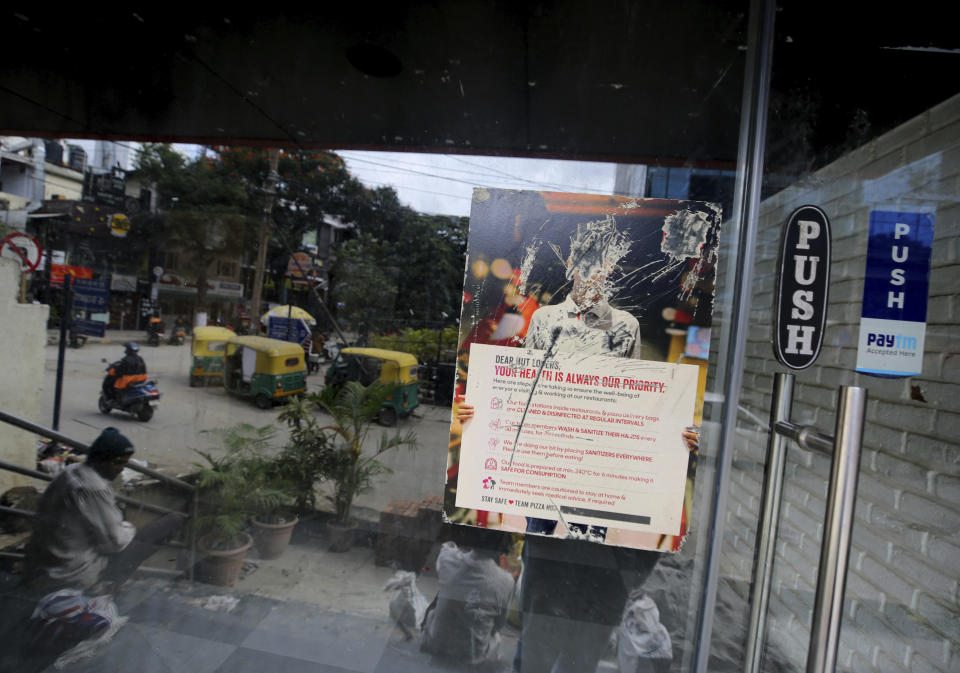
{"points": [[511, 502]]}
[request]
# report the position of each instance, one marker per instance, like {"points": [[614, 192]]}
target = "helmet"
{"points": [[131, 347]]}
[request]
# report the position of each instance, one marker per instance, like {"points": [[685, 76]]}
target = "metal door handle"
{"points": [[844, 449]]}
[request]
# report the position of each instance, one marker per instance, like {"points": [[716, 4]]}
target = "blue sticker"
{"points": [[895, 289]]}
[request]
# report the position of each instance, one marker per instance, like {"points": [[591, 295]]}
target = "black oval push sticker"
{"points": [[803, 280]]}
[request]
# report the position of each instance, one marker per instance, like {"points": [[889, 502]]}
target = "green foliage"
{"points": [[401, 264], [311, 184], [239, 481], [411, 269], [309, 455], [354, 409], [184, 184], [430, 251], [365, 288], [421, 343], [203, 214]]}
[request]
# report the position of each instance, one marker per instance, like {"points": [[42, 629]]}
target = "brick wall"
{"points": [[902, 602]]}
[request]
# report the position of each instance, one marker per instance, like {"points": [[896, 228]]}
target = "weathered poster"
{"points": [[578, 399]]}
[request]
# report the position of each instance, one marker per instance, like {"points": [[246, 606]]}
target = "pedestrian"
{"points": [[462, 625], [80, 539]]}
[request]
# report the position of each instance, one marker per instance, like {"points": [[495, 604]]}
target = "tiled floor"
{"points": [[170, 631]]}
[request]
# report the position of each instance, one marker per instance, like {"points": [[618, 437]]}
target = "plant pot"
{"points": [[272, 538], [222, 567], [340, 536]]}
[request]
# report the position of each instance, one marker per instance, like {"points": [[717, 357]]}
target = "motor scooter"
{"points": [[155, 331], [138, 399], [331, 349], [178, 335]]}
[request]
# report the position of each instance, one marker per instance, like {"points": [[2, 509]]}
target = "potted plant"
{"points": [[270, 480], [308, 456], [350, 465], [234, 487]]}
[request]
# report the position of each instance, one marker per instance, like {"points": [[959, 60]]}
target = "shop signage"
{"points": [[90, 295], [229, 289], [288, 329], [896, 282], [123, 283], [89, 327], [298, 261], [803, 281], [119, 225], [171, 282], [148, 306], [303, 267], [58, 271], [23, 249]]}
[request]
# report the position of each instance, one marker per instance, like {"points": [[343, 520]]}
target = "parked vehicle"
{"points": [[178, 335], [264, 369], [241, 323], [77, 340], [394, 368], [330, 350], [208, 350], [155, 330], [139, 399]]}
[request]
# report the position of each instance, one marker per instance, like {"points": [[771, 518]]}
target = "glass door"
{"points": [[842, 137]]}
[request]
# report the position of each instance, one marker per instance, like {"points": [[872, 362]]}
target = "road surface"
{"points": [[168, 441]]}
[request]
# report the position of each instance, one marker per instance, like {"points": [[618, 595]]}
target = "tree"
{"points": [[400, 263], [354, 409], [202, 215], [365, 285], [429, 253], [312, 184]]}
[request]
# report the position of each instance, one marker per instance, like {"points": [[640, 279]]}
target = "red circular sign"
{"points": [[22, 248]]}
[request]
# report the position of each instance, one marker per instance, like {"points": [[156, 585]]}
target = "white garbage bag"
{"points": [[643, 643], [408, 606]]}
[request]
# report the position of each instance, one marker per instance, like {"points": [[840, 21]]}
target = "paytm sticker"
{"points": [[896, 282]]}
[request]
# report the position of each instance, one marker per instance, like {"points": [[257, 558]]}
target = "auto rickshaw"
{"points": [[208, 348], [368, 365], [264, 369]]}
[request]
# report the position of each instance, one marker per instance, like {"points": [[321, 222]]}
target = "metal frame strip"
{"points": [[753, 128]]}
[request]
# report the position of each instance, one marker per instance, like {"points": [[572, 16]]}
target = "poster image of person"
{"points": [[575, 277]]}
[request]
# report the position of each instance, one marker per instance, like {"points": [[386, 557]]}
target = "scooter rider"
{"points": [[131, 369], [155, 330]]}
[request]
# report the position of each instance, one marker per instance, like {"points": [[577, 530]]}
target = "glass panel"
{"points": [[845, 141], [369, 267], [398, 517]]}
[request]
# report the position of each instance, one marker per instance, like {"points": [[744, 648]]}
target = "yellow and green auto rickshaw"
{"points": [[368, 365], [208, 348], [264, 369]]}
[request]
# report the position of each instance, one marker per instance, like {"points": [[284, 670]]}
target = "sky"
{"points": [[442, 184]]}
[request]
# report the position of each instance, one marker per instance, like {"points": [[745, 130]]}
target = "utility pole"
{"points": [[269, 191]]}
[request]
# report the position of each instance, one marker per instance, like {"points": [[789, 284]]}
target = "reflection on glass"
{"points": [[309, 469]]}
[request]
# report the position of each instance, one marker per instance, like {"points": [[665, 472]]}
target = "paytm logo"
{"points": [[892, 341]]}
